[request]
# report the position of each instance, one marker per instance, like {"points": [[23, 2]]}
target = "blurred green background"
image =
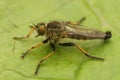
{"points": [[68, 63]]}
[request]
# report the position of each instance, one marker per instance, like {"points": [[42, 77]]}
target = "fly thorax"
{"points": [[54, 30]]}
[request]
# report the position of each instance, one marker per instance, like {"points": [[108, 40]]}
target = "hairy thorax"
{"points": [[54, 30]]}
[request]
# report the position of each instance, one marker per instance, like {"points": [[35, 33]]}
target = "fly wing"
{"points": [[80, 32]]}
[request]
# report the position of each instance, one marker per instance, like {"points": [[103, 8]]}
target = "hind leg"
{"points": [[82, 50], [75, 24]]}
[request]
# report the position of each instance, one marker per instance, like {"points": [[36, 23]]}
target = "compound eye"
{"points": [[41, 30]]}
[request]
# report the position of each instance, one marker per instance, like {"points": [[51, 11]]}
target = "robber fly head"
{"points": [[40, 29]]}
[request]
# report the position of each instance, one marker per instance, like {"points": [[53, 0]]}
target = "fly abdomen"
{"points": [[79, 37], [108, 35], [85, 33], [91, 35]]}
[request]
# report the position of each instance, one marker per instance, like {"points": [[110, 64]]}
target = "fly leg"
{"points": [[35, 46], [27, 36], [82, 50], [81, 21], [75, 24], [45, 58]]}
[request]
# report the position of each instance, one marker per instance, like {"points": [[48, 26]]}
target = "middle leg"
{"points": [[35, 46], [45, 58]]}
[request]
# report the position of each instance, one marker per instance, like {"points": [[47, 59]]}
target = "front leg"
{"points": [[81, 49], [25, 37]]}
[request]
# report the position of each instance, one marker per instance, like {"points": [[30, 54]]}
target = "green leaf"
{"points": [[67, 63]]}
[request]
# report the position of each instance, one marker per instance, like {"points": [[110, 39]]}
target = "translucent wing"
{"points": [[80, 32]]}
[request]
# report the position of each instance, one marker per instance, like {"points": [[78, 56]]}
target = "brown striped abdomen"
{"points": [[90, 36]]}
